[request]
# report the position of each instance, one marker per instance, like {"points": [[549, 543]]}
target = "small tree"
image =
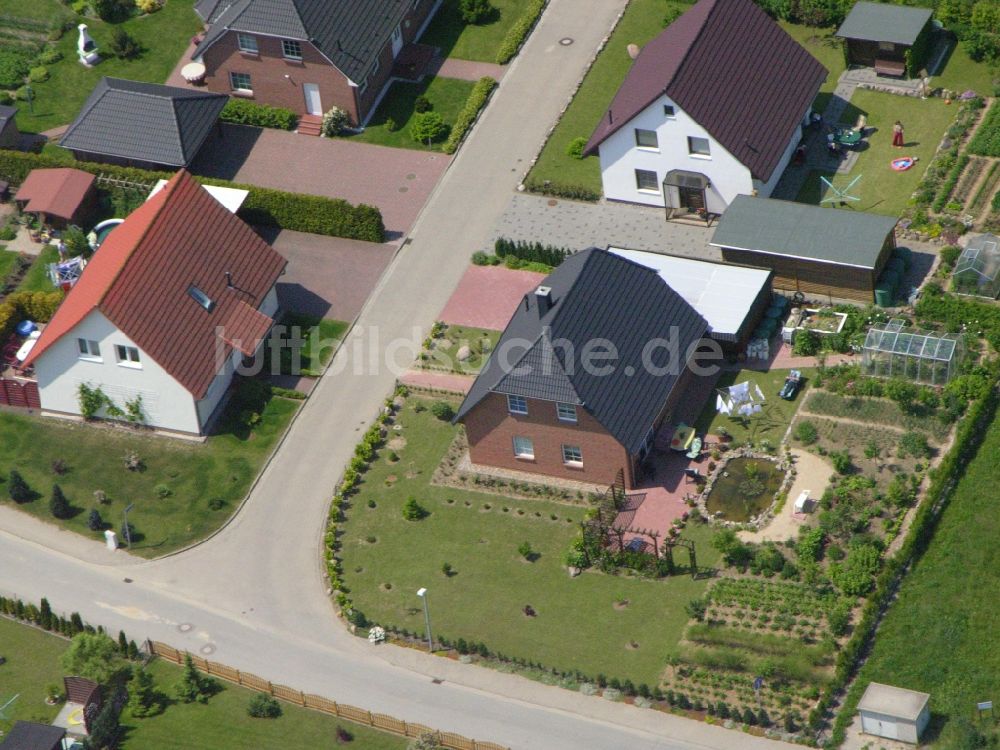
{"points": [[806, 433], [263, 707], [443, 410], [873, 452], [475, 11], [422, 104], [45, 614], [104, 729], [18, 489], [525, 551], [59, 505], [96, 657], [427, 127], [413, 511], [94, 520], [122, 643], [124, 45], [142, 698], [192, 686]]}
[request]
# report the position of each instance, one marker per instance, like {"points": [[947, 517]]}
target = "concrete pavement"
{"points": [[254, 593]]}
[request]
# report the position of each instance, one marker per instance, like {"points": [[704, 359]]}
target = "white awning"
{"points": [[231, 198]]}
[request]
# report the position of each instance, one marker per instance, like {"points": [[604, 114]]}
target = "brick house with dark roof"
{"points": [[712, 108], [589, 367], [166, 309], [308, 55]]}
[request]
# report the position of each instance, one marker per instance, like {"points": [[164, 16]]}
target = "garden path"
{"points": [[812, 474], [437, 381], [804, 412], [468, 70]]}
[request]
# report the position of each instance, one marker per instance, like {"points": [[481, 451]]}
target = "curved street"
{"points": [[254, 594]]}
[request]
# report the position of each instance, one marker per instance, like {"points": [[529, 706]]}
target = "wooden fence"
{"points": [[319, 703]]}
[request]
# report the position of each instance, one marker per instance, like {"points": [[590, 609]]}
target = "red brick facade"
{"points": [[268, 70]]}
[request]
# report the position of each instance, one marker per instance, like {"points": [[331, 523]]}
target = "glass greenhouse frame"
{"points": [[892, 351], [977, 271]]}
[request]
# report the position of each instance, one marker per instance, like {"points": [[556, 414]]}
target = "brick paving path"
{"points": [[468, 70], [487, 296], [440, 381]]}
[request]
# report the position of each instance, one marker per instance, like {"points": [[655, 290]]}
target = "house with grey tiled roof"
{"points": [[145, 125], [712, 108], [588, 369], [308, 55]]}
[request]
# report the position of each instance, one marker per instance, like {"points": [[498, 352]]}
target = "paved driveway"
{"points": [[327, 277], [396, 180], [487, 296]]}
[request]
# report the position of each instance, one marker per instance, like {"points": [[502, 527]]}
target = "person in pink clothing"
{"points": [[897, 134]]}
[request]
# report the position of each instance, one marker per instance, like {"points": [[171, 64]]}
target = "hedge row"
{"points": [[245, 112], [968, 436], [560, 190], [36, 306], [264, 206], [478, 97], [519, 31]]}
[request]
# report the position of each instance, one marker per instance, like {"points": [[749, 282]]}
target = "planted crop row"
{"points": [[986, 189]]}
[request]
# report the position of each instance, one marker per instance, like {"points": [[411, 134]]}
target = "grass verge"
{"points": [[479, 42]]}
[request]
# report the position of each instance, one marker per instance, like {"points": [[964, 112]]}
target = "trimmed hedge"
{"points": [[519, 31], [478, 98], [560, 190], [245, 112], [315, 214]]}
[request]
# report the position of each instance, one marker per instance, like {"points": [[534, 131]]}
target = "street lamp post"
{"points": [[125, 528], [422, 593]]}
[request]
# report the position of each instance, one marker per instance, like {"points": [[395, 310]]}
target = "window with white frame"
{"points": [[699, 146], [524, 447], [572, 455], [247, 43], [566, 412], [89, 349], [127, 355], [646, 138], [291, 49], [646, 180], [517, 404], [668, 111], [240, 82]]}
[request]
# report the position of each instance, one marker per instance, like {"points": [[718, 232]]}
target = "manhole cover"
{"points": [[185, 627], [411, 176], [566, 41], [404, 189], [208, 648], [552, 202]]}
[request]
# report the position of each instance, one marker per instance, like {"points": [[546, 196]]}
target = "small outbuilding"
{"points": [[894, 713], [977, 271], [825, 251], [29, 735], [895, 40], [58, 196], [10, 136]]}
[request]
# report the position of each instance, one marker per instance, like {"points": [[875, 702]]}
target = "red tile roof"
{"points": [[734, 71], [140, 277], [57, 192]]}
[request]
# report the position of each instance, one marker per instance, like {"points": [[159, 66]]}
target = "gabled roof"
{"points": [[29, 735], [7, 113], [57, 192], [828, 235], [595, 295], [145, 122], [209, 10], [734, 71], [140, 278], [351, 33], [884, 22]]}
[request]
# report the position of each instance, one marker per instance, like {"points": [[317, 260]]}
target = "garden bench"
{"points": [[890, 68]]}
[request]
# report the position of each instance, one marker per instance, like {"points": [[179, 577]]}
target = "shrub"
{"points": [[532, 252], [914, 444], [519, 31], [478, 97], [162, 491], [335, 121], [18, 489], [422, 104], [14, 66], [112, 10], [94, 520], [94, 656], [23, 94], [149, 6], [734, 551], [696, 609], [75, 241], [575, 147], [806, 343], [245, 112], [443, 410], [413, 511], [263, 706], [58, 504], [427, 127], [475, 11], [142, 697], [806, 433], [124, 45], [856, 575], [841, 461], [561, 190], [391, 125], [39, 74]]}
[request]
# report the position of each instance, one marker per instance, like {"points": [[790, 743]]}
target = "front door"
{"points": [[314, 105], [397, 41], [693, 199]]}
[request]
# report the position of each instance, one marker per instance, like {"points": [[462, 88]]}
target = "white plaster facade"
{"points": [[167, 404], [621, 156]]}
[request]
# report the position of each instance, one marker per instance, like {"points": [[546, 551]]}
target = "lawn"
{"points": [[37, 10], [940, 635], [822, 45], [8, 261], [37, 278], [577, 627], [773, 420], [183, 492], [222, 724], [962, 73], [319, 341], [163, 36], [472, 41], [447, 95], [32, 664], [880, 189]]}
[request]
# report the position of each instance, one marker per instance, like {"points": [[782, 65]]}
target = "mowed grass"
{"points": [[190, 475], [8, 261], [941, 636], [319, 339], [822, 45], [479, 42], [36, 10], [223, 724], [961, 73], [880, 189], [163, 35], [577, 626], [37, 278], [447, 95], [32, 664], [772, 421]]}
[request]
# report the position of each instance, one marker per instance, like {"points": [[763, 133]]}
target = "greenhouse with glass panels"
{"points": [[977, 271], [893, 351]]}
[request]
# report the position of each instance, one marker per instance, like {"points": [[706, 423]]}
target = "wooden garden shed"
{"points": [[894, 713], [832, 252], [893, 39]]}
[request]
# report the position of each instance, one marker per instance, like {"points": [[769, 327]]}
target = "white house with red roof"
{"points": [[712, 108], [165, 311]]}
